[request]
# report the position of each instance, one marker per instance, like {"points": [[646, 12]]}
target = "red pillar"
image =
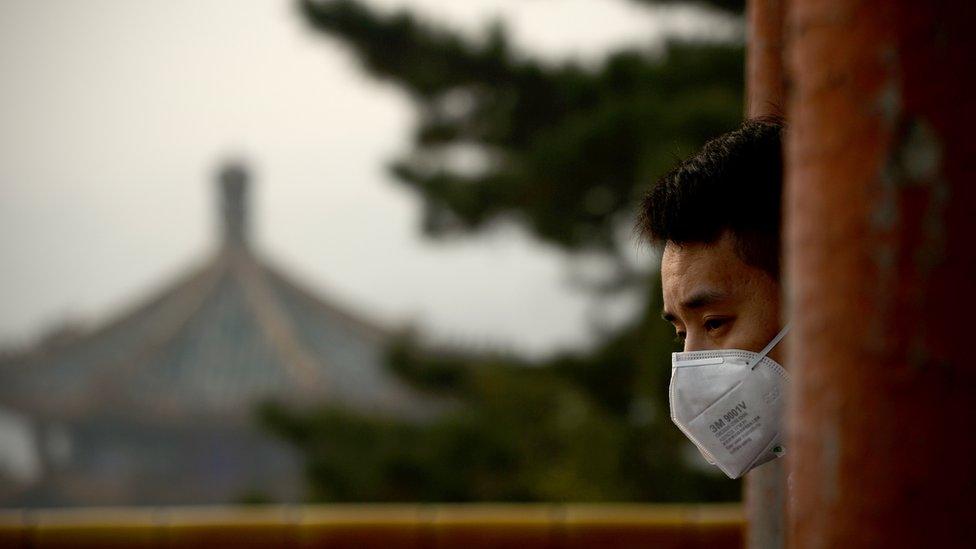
{"points": [[765, 82], [765, 487], [881, 258]]}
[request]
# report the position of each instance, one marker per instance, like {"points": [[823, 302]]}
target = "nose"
{"points": [[695, 341]]}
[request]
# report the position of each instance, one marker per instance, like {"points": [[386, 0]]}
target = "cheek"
{"points": [[746, 335], [768, 310], [756, 325], [741, 334]]}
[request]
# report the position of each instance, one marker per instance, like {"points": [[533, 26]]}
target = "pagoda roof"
{"points": [[231, 333]]}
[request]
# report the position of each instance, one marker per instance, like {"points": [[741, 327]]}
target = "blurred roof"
{"points": [[231, 333]]}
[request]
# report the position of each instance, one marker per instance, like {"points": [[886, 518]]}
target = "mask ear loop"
{"points": [[762, 354]]}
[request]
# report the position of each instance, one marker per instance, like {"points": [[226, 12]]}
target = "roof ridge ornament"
{"points": [[233, 180]]}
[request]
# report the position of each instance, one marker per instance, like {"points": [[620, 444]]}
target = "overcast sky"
{"points": [[115, 113]]}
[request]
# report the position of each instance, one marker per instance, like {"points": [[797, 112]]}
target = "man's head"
{"points": [[717, 216]]}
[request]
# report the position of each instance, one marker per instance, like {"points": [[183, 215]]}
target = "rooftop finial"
{"points": [[233, 180]]}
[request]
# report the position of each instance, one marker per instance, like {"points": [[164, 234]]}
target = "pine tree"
{"points": [[567, 149]]}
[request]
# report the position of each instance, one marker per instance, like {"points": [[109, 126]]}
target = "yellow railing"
{"points": [[394, 526]]}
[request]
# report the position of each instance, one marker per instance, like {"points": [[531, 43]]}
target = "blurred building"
{"points": [[158, 406]]}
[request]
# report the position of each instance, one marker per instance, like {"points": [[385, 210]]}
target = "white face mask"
{"points": [[730, 404]]}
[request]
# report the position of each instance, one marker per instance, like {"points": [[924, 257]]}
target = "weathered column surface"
{"points": [[765, 490], [765, 79], [881, 259]]}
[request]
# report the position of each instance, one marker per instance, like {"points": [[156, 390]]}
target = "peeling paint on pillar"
{"points": [[881, 256]]}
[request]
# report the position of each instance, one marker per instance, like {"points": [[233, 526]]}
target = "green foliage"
{"points": [[517, 438], [568, 150], [520, 433], [254, 497]]}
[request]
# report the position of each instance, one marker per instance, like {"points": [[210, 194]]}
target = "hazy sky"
{"points": [[115, 113]]}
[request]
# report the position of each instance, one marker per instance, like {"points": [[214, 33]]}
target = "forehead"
{"points": [[707, 262], [690, 268]]}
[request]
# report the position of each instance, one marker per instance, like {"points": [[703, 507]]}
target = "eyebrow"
{"points": [[698, 300]]}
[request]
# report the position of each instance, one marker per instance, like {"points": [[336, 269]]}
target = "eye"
{"points": [[713, 324]]}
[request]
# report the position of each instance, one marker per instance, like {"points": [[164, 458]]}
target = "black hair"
{"points": [[734, 183]]}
